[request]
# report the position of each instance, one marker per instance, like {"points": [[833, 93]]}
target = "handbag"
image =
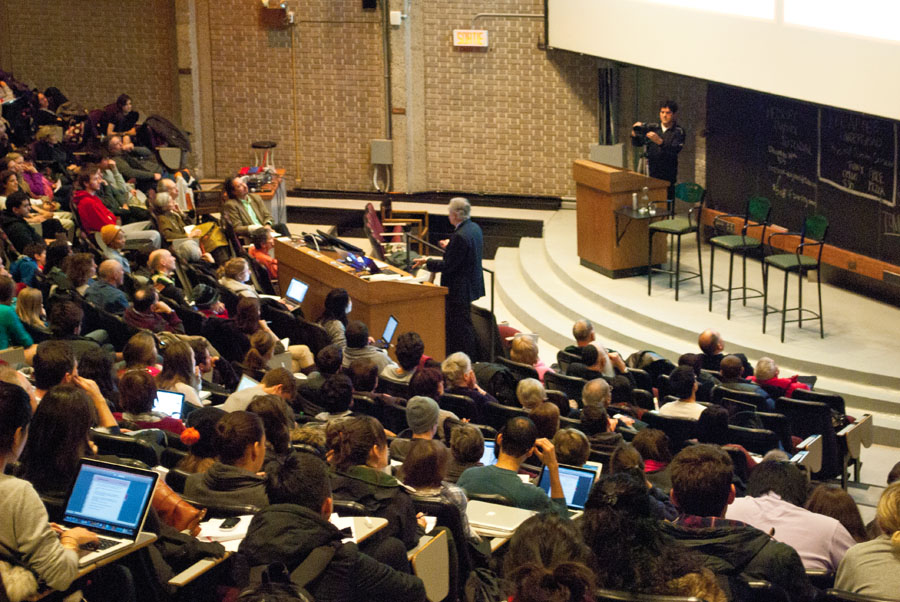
{"points": [[176, 512]]}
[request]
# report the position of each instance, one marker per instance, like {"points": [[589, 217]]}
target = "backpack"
{"points": [[651, 362], [498, 380], [483, 585], [272, 583]]}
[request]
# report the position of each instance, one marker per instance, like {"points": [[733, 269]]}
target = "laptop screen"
{"points": [[246, 382], [389, 330], [169, 403], [576, 484], [489, 458], [109, 497], [296, 291]]}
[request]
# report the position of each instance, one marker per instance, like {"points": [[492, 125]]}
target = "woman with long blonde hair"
{"points": [[30, 307]]}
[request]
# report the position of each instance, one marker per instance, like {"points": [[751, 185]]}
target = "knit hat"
{"points": [[205, 296], [421, 414], [108, 233]]}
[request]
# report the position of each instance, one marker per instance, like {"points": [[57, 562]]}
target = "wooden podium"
{"points": [[418, 307], [614, 245]]}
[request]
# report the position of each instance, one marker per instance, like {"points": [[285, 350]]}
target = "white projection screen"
{"points": [[843, 53]]}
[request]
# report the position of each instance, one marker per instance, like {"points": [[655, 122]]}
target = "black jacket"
{"points": [[20, 233], [288, 533], [226, 484], [744, 553], [461, 265]]}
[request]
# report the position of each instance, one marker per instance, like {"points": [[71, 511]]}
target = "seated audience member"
{"points": [[260, 251], [336, 396], [596, 425], [425, 471], [261, 352], [65, 325], [161, 264], [234, 478], [16, 221], [530, 393], [206, 300], [712, 345], [277, 381], [234, 276], [626, 458], [429, 382], [705, 381], [27, 268], [572, 447], [516, 442], [409, 353], [731, 371], [134, 162], [94, 214], [767, 372], [702, 490], [466, 450], [80, 270], [359, 345], [136, 399], [247, 322], [334, 319], [57, 253], [583, 333], [30, 309], [199, 437], [12, 333], [548, 560], [178, 231], [114, 239], [630, 552], [653, 445], [683, 385], [222, 377], [149, 313], [97, 365], [140, 353], [597, 392], [297, 523], [524, 349], [776, 492], [459, 378], [246, 211], [119, 117], [328, 362], [422, 417], [179, 373], [278, 422], [712, 427], [358, 451], [104, 292], [51, 555], [872, 568], [116, 195], [836, 503], [546, 420]]}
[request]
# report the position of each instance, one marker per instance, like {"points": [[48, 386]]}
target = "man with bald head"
{"points": [[731, 372], [104, 292], [583, 333], [713, 346]]}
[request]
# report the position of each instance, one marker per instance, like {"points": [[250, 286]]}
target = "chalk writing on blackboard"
{"points": [[857, 154], [890, 224], [791, 153]]}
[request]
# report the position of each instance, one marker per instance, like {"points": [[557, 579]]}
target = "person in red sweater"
{"points": [[767, 374], [94, 214], [262, 244]]}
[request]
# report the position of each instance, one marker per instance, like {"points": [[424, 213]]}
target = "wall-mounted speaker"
{"points": [[370, 4]]}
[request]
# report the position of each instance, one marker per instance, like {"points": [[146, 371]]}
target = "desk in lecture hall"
{"points": [[417, 307]]}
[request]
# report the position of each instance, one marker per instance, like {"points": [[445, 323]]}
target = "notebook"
{"points": [[169, 403], [389, 329], [494, 519], [112, 501], [489, 458], [576, 484], [296, 292], [245, 383]]}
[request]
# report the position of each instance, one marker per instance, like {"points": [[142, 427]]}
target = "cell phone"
{"points": [[230, 523]]}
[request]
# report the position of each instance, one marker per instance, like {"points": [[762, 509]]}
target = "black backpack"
{"points": [[272, 583], [497, 380]]}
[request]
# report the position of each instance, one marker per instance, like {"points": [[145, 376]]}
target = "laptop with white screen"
{"points": [[489, 458], [576, 484], [112, 501], [296, 292], [246, 382], [389, 329], [169, 403]]}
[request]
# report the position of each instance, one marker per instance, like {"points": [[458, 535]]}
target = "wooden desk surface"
{"points": [[144, 539]]}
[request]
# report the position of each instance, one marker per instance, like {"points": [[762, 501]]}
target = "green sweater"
{"points": [[12, 333], [490, 479]]}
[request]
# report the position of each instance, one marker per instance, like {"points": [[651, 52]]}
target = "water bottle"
{"points": [[634, 201]]}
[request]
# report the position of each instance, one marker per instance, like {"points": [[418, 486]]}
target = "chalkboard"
{"points": [[806, 159]]}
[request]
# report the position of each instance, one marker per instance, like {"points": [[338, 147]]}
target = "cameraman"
{"points": [[663, 141]]}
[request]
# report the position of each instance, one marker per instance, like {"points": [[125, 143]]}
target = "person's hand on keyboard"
{"points": [[79, 539]]}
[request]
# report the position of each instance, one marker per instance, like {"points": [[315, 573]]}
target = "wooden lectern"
{"points": [[418, 307], [615, 246]]}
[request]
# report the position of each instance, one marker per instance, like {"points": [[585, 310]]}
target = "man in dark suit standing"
{"points": [[461, 268]]}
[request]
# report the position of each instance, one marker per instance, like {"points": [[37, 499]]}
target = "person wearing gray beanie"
{"points": [[422, 416]]}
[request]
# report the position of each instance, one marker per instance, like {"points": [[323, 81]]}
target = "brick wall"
{"points": [[509, 120], [94, 50]]}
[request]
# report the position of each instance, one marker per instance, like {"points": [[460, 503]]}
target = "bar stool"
{"points": [[756, 215], [815, 227], [691, 193], [268, 153]]}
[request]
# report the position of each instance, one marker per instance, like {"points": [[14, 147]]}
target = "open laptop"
{"points": [[245, 383], [489, 458], [389, 329], [296, 292], [112, 501], [576, 484], [169, 403], [282, 360], [494, 519]]}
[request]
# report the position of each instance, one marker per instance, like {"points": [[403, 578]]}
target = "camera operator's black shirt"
{"points": [[663, 158]]}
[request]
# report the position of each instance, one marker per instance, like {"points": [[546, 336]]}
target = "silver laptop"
{"points": [[282, 360], [112, 501], [576, 484], [245, 383], [169, 403], [296, 292], [494, 519]]}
